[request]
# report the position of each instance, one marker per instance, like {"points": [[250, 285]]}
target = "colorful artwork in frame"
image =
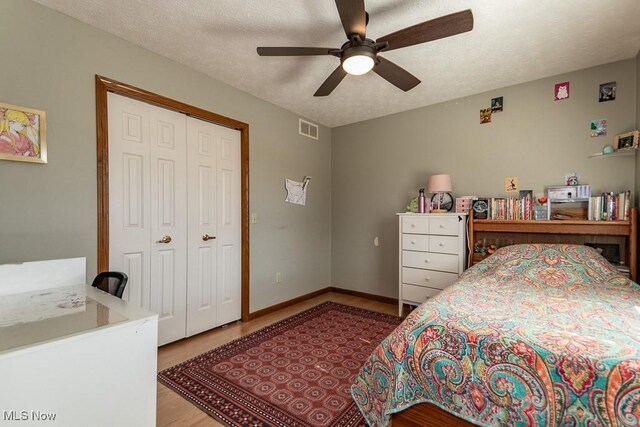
{"points": [[598, 128], [23, 136], [497, 104], [511, 184], [485, 115], [561, 91]]}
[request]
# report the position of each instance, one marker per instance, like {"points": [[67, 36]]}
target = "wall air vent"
{"points": [[308, 129]]}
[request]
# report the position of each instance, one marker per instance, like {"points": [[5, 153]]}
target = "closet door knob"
{"points": [[165, 239], [206, 237]]}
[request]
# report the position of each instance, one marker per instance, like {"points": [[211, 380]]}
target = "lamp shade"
{"points": [[439, 183]]}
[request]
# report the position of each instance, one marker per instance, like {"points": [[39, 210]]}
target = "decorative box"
{"points": [[463, 205]]}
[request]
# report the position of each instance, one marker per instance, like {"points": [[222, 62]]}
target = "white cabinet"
{"points": [[77, 354], [433, 253]]}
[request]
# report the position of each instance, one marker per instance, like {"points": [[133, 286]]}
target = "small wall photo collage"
{"points": [[597, 127], [497, 105]]}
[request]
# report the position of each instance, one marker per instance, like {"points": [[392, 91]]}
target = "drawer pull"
{"points": [[426, 279], [413, 242], [441, 226], [441, 244], [413, 225], [427, 260]]}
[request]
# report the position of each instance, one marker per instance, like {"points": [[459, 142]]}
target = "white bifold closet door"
{"points": [[174, 215], [213, 294]]}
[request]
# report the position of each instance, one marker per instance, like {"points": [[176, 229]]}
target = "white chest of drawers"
{"points": [[433, 253]]}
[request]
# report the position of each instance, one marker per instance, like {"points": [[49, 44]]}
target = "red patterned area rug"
{"points": [[296, 372]]}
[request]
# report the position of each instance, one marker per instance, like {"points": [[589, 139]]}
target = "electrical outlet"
{"points": [[254, 218], [278, 277], [376, 242]]}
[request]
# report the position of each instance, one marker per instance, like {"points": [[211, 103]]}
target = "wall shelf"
{"points": [[615, 154]]}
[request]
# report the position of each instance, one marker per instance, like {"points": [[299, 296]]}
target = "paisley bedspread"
{"points": [[535, 335]]}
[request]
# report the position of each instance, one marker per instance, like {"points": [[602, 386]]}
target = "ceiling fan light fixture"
{"points": [[358, 65], [358, 60]]}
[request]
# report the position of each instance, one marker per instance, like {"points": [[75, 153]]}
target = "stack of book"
{"points": [[511, 208], [610, 207]]}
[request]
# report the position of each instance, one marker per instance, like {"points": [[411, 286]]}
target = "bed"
{"points": [[535, 335]]}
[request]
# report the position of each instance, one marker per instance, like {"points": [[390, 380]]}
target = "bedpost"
{"points": [[633, 245], [471, 240]]}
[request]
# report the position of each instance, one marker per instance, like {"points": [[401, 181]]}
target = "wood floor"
{"points": [[173, 410]]}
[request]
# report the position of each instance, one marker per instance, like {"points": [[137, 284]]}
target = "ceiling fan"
{"points": [[359, 55]]}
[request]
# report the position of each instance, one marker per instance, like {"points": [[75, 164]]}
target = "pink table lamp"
{"points": [[439, 184]]}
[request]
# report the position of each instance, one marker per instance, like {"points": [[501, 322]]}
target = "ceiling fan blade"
{"points": [[439, 28], [332, 82], [353, 17], [395, 75], [295, 51]]}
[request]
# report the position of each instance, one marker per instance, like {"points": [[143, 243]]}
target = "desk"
{"points": [[80, 354]]}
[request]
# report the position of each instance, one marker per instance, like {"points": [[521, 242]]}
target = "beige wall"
{"points": [[378, 165], [49, 211]]}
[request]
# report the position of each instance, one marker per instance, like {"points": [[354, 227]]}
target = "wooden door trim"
{"points": [[105, 85]]}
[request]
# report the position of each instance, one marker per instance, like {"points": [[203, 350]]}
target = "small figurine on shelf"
{"points": [[413, 205]]}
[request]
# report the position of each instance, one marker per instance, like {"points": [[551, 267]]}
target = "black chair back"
{"points": [[113, 282]]}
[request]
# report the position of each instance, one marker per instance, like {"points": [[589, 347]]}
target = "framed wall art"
{"points": [[23, 136], [627, 141]]}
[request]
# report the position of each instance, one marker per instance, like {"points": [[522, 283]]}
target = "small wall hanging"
{"points": [[297, 191], [598, 127], [511, 184], [22, 134], [485, 116], [496, 104], [607, 92], [561, 91]]}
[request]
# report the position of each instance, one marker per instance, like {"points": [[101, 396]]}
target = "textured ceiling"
{"points": [[513, 41]]}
